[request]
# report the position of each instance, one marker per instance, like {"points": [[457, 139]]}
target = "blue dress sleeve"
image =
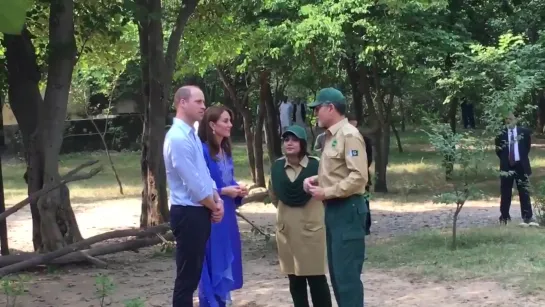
{"points": [[210, 165], [238, 200]]}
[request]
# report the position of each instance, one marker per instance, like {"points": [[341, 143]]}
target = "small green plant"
{"points": [[538, 203], [465, 154], [135, 302], [13, 288], [105, 287]]}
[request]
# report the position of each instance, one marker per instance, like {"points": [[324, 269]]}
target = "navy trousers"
{"points": [[191, 227]]}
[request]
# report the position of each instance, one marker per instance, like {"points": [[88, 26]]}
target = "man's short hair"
{"points": [[184, 93]]}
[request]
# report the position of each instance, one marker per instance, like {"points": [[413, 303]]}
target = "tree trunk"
{"points": [[157, 73], [242, 106], [156, 208], [58, 222], [449, 160], [26, 102], [402, 111], [540, 111], [143, 30], [4, 244], [357, 96], [186, 9], [273, 138], [398, 139], [258, 146], [247, 120], [382, 148], [380, 123]]}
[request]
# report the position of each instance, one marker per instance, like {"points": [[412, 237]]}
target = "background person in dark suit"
{"points": [[513, 148]]}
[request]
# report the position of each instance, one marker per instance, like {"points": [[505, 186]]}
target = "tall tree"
{"points": [[157, 74], [58, 222]]}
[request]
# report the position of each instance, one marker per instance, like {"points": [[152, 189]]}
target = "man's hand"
{"points": [[217, 215], [310, 182], [317, 192]]}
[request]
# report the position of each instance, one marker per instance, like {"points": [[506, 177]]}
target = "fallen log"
{"points": [[255, 197], [71, 176], [75, 248], [101, 250]]}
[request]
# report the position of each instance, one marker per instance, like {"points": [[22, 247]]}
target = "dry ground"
{"points": [[149, 274]]}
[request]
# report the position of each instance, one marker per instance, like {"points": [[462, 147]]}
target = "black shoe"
{"points": [[504, 221]]}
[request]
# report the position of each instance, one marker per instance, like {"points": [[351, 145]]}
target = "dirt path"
{"points": [[150, 277]]}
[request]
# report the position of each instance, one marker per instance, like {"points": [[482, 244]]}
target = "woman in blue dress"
{"points": [[222, 268]]}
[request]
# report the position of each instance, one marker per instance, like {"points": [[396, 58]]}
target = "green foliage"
{"points": [[538, 202], [12, 15], [466, 154], [13, 287], [503, 77], [104, 287]]}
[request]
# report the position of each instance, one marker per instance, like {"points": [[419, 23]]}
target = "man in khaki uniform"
{"points": [[340, 183]]}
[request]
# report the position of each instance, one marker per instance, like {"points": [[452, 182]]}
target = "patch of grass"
{"points": [[510, 255]]}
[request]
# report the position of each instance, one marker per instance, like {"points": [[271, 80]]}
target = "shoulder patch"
{"points": [[353, 153]]}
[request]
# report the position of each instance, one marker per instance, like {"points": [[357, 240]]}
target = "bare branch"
{"points": [[108, 153], [254, 226], [71, 176]]}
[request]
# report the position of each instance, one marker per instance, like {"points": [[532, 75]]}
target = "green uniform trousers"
{"points": [[345, 220]]}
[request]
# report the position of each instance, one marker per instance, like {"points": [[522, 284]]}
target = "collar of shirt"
{"points": [[303, 162], [187, 129], [335, 128]]}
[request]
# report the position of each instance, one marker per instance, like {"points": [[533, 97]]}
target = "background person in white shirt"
{"points": [[513, 148], [286, 113]]}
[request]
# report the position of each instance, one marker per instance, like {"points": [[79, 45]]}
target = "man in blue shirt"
{"points": [[194, 200]]}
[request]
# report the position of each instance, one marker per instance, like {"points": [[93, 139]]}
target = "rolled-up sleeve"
{"points": [[196, 180]]}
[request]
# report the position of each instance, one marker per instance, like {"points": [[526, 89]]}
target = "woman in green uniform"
{"points": [[300, 234]]}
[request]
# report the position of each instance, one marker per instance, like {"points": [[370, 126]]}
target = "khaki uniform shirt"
{"points": [[343, 166]]}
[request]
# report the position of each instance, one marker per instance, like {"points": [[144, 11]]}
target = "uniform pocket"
{"points": [[333, 154], [311, 229]]}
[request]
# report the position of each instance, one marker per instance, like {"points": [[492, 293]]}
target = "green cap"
{"points": [[296, 130], [328, 95]]}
